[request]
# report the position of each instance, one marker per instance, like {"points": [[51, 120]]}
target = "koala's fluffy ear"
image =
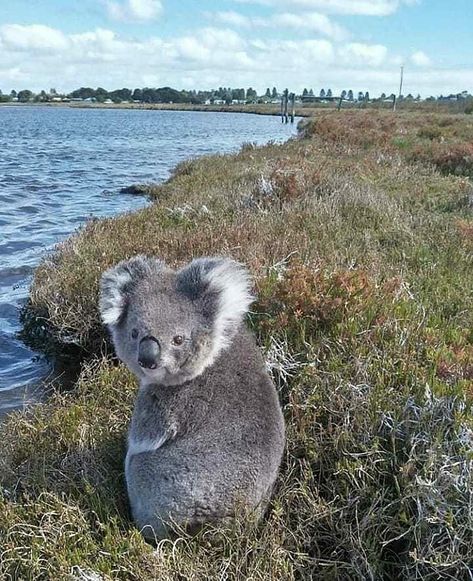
{"points": [[223, 288], [117, 283]]}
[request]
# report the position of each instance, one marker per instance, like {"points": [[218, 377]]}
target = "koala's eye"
{"points": [[178, 340], [134, 333]]}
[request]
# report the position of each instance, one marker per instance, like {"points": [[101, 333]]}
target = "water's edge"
{"points": [[67, 165]]}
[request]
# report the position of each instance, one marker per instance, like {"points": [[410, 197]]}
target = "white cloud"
{"points": [[230, 17], [308, 21], [312, 21], [33, 37], [356, 53], [359, 7], [141, 10], [420, 59], [36, 57]]}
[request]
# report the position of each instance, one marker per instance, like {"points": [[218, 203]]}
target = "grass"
{"points": [[360, 242]]}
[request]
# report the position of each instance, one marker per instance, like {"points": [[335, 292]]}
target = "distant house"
{"points": [[208, 102], [218, 102], [108, 102]]}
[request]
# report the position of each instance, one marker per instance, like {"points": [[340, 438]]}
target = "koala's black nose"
{"points": [[148, 352]]}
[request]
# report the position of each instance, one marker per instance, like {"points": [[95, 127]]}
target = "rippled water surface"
{"points": [[59, 167]]}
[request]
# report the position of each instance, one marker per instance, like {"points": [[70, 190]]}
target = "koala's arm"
{"points": [[164, 413], [150, 426]]}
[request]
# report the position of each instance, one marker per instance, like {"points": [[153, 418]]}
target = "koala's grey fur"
{"points": [[207, 432]]}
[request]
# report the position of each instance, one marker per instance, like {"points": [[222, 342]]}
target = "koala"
{"points": [[207, 432]]}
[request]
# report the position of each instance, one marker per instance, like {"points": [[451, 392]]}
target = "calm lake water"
{"points": [[59, 167]]}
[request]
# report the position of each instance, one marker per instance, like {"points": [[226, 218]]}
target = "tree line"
{"points": [[143, 95], [225, 95]]}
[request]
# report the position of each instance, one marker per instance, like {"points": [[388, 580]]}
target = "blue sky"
{"points": [[337, 44]]}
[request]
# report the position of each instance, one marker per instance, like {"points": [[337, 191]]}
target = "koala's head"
{"points": [[168, 326]]}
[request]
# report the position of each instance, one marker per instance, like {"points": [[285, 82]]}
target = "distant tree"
{"points": [[137, 95], [251, 94], [238, 94], [169, 95], [361, 95], [83, 93], [41, 97], [147, 95], [13, 94], [343, 94], [235, 94], [418, 98], [350, 95], [322, 93], [120, 95], [311, 92], [382, 96], [4, 98], [409, 97], [367, 96], [25, 96], [329, 93], [101, 94], [274, 93], [268, 93], [305, 92]]}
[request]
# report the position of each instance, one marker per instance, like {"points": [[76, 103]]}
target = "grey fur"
{"points": [[207, 432]]}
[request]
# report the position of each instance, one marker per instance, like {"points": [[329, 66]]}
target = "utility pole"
{"points": [[400, 89], [400, 84]]}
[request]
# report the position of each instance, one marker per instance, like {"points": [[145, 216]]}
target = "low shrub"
{"points": [[449, 158]]}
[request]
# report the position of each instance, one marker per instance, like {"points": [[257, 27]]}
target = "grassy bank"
{"points": [[360, 237]]}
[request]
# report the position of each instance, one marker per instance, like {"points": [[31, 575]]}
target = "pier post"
{"points": [[284, 103], [293, 106]]}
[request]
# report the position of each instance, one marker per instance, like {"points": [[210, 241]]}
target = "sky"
{"points": [[336, 44]]}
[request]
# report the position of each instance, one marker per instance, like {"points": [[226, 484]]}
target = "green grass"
{"points": [[362, 258]]}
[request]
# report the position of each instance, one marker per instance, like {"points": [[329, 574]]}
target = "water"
{"points": [[60, 166]]}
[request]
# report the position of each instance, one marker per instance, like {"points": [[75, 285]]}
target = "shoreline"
{"points": [[248, 109], [256, 128], [301, 111]]}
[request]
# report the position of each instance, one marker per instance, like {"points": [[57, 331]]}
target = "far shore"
{"points": [[306, 110], [262, 109]]}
